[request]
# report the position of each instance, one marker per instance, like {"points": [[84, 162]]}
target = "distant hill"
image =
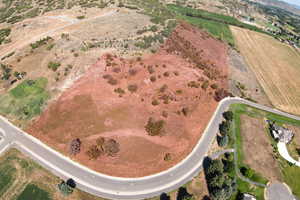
{"points": [[281, 4]]}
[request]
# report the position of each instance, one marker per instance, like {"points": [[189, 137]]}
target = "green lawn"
{"points": [[33, 192], [245, 187], [26, 100], [6, 177]]}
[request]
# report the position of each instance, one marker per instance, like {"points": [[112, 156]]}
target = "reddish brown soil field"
{"points": [[94, 108]]}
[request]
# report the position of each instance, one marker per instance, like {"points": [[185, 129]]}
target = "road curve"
{"points": [[114, 187]]}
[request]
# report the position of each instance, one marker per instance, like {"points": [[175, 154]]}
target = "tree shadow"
{"points": [[182, 193], [71, 183], [164, 196]]}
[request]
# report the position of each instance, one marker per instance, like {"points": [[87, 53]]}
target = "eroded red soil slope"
{"points": [[176, 85]]}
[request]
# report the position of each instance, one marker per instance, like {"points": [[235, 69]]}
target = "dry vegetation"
{"points": [[258, 152], [275, 65], [167, 113]]}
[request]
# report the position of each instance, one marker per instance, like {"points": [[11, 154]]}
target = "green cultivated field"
{"points": [[218, 30], [33, 192], [216, 24], [26, 100]]}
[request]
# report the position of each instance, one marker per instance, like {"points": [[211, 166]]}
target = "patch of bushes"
{"points": [[132, 88], [132, 72], [80, 17], [155, 102], [120, 91], [4, 33], [163, 88], [193, 84], [150, 69], [221, 93], [53, 65], [205, 85], [153, 78], [155, 127], [112, 81], [40, 42], [108, 147], [166, 74], [220, 184]]}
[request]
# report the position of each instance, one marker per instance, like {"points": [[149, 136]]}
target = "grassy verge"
{"points": [[6, 177], [290, 173], [33, 192], [26, 100]]}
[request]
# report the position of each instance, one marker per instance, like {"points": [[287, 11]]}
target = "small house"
{"points": [[280, 133]]}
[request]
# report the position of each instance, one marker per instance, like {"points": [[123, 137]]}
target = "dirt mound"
{"points": [[117, 97]]}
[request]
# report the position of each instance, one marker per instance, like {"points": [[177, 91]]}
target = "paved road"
{"points": [[122, 188], [279, 191]]}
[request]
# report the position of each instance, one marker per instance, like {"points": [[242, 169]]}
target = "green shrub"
{"points": [[132, 88], [40, 42], [155, 102], [155, 128], [222, 140], [65, 189], [53, 65], [81, 17], [119, 91]]}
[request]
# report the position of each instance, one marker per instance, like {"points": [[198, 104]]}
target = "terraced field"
{"points": [[276, 66]]}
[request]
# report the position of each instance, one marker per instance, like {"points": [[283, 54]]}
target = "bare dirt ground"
{"points": [[242, 81], [168, 87], [275, 65], [258, 152]]}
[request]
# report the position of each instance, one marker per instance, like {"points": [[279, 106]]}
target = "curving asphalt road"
{"points": [[115, 187]]}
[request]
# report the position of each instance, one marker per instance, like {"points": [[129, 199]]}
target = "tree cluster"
{"points": [[221, 186], [108, 147], [224, 129]]}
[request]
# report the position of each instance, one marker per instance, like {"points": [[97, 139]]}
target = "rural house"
{"points": [[280, 133]]}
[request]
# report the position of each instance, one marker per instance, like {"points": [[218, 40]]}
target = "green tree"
{"points": [[222, 140], [216, 166], [224, 127], [228, 115], [65, 188]]}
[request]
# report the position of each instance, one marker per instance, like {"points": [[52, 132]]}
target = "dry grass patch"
{"points": [[275, 65], [257, 149]]}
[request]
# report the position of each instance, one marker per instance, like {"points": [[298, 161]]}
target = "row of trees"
{"points": [[224, 129]]}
